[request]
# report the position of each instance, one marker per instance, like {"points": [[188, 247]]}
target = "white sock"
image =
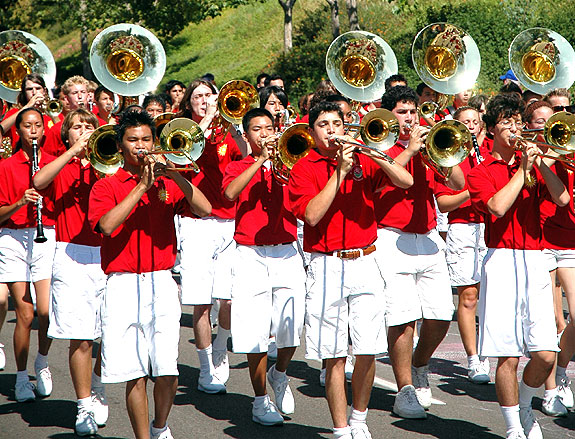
{"points": [[561, 371], [261, 400], [220, 343], [342, 431], [157, 431], [526, 394], [511, 417], [357, 417], [550, 393], [22, 376], [41, 361], [206, 362], [97, 382], [276, 374], [473, 360], [85, 403]]}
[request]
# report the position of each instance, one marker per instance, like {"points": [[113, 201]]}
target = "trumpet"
{"points": [[294, 143], [52, 107]]}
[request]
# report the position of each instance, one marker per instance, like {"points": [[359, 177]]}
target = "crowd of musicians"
{"points": [[355, 245]]}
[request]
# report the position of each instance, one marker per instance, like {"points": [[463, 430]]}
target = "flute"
{"points": [[35, 168]]}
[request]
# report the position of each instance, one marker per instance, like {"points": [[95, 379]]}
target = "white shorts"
{"points": [[268, 297], [515, 304], [306, 256], [465, 252], [442, 220], [140, 326], [207, 252], [559, 258], [345, 299], [416, 276], [22, 259], [76, 292]]}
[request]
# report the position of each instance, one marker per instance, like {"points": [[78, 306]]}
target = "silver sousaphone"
{"points": [[542, 60], [22, 53], [128, 59]]}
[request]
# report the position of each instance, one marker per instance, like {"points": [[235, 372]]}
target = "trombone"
{"points": [[103, 152], [558, 132], [379, 130]]}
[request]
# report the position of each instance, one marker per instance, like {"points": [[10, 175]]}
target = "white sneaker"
{"points": [[421, 384], [478, 373], [360, 431], [210, 384], [529, 423], [164, 434], [100, 406], [44, 382], [283, 396], [267, 414], [564, 391], [406, 404], [553, 406], [221, 365], [349, 367], [322, 377], [85, 423], [25, 391], [516, 435], [2, 357], [273, 350]]}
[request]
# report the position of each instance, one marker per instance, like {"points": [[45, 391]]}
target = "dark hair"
{"points": [[252, 114], [401, 93], [421, 86], [528, 113], [528, 94], [150, 99], [186, 108], [326, 86], [477, 100], [303, 104], [209, 77], [336, 99], [101, 89], [167, 99], [323, 107], [511, 87], [259, 78], [129, 119], [171, 84], [394, 78], [18, 121], [266, 92], [84, 116], [32, 77], [462, 109], [271, 78], [503, 106]]}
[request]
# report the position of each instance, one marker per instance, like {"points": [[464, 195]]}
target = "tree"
{"points": [[287, 6], [352, 14], [334, 6]]}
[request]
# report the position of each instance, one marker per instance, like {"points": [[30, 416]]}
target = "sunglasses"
{"points": [[567, 108]]}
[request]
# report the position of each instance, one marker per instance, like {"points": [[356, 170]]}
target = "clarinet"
{"points": [[35, 168], [478, 155]]}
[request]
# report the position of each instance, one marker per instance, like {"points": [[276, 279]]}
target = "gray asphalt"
{"points": [[460, 409]]}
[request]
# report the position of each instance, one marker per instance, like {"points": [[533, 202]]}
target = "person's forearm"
{"points": [[7, 211], [48, 173], [319, 205], [118, 214], [456, 180], [397, 174], [448, 203], [236, 187], [502, 201], [196, 199], [555, 186]]}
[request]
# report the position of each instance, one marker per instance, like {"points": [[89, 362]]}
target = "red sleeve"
{"points": [[181, 205], [301, 189], [481, 188], [102, 200], [440, 189], [233, 170], [53, 144]]}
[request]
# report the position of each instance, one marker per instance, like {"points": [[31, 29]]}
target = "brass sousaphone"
{"points": [[128, 59], [22, 53], [542, 60]]}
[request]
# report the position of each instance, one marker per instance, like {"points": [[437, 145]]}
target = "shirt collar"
{"points": [[315, 156], [123, 175]]}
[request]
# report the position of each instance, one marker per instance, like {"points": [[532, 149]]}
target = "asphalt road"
{"points": [[460, 409]]}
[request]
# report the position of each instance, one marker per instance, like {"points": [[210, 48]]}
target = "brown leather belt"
{"points": [[353, 254]]}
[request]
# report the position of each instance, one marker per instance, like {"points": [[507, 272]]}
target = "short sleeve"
{"points": [[481, 188], [102, 200], [301, 188]]}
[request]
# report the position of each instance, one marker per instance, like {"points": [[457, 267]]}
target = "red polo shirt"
{"points": [[411, 210], [262, 217], [558, 223], [15, 178], [520, 226], [464, 213], [71, 189], [146, 240], [213, 162], [349, 222]]}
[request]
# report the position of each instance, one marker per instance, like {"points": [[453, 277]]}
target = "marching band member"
{"points": [[515, 298], [134, 209], [176, 90], [268, 293], [332, 190], [413, 265], [104, 100], [207, 243], [465, 249], [78, 282], [154, 105], [21, 259], [559, 99]]}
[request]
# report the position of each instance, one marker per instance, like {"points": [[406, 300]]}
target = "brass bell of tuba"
{"points": [[542, 60], [294, 144], [128, 59], [448, 143], [22, 53], [182, 142], [358, 63], [103, 151]]}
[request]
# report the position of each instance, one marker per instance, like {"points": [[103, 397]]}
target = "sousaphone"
{"points": [[542, 60], [22, 53], [358, 63], [128, 59]]}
